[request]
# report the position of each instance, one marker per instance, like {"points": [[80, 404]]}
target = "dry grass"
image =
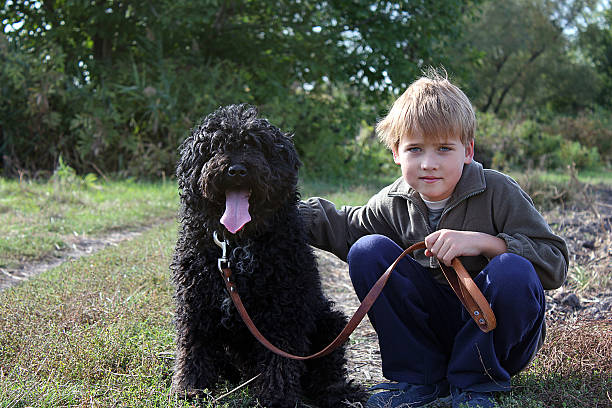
{"points": [[573, 368], [583, 347]]}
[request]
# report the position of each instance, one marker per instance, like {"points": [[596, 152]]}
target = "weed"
{"points": [[65, 177]]}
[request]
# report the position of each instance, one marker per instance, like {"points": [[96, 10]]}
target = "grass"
{"points": [[592, 177], [93, 332], [573, 369], [38, 220], [561, 188], [97, 331]]}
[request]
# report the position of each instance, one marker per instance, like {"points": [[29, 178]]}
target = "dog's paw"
{"points": [[192, 394], [346, 394]]}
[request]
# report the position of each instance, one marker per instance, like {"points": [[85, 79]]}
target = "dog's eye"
{"points": [[279, 146]]}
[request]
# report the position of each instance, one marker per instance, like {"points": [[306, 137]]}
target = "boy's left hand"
{"points": [[446, 245]]}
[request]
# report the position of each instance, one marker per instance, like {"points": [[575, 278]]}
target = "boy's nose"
{"points": [[429, 163]]}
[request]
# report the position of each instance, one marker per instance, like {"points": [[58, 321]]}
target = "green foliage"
{"points": [[582, 157], [135, 124], [33, 105], [132, 125], [591, 129], [114, 87], [65, 177], [278, 42], [321, 127]]}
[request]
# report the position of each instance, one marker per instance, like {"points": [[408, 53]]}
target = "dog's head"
{"points": [[237, 170]]}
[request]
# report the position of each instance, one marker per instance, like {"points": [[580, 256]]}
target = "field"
{"points": [[86, 309]]}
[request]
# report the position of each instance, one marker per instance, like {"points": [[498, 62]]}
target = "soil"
{"points": [[587, 230]]}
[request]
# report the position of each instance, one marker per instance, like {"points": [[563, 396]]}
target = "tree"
{"points": [[524, 56], [373, 45], [596, 41]]}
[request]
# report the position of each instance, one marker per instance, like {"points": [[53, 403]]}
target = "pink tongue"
{"points": [[236, 210]]}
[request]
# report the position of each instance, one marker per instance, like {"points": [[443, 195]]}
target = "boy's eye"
{"points": [[414, 149], [445, 149]]}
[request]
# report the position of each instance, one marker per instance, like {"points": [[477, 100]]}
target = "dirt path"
{"points": [[362, 348], [79, 246]]}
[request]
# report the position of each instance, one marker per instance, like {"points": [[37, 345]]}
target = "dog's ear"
{"points": [[295, 157], [186, 167], [284, 146], [194, 153]]}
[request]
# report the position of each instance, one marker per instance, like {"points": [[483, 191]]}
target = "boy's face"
{"points": [[433, 168]]}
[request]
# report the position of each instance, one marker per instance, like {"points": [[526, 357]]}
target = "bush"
{"points": [[590, 129], [582, 157], [331, 134], [34, 108], [132, 123], [522, 143]]}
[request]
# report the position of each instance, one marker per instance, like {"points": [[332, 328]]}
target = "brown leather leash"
{"points": [[458, 278]]}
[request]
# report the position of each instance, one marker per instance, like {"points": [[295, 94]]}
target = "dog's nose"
{"points": [[237, 170]]}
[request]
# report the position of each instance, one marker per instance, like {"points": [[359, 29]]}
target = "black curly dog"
{"points": [[238, 176]]}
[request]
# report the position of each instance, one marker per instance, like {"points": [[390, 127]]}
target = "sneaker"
{"points": [[407, 395], [472, 399]]}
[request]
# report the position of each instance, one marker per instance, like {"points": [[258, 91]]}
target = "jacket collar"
{"points": [[472, 182]]}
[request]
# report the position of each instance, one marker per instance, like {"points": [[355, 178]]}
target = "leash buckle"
{"points": [[223, 261]]}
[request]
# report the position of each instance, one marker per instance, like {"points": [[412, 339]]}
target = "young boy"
{"points": [[430, 348]]}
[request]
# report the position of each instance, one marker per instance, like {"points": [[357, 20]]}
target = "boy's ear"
{"points": [[469, 152], [395, 155]]}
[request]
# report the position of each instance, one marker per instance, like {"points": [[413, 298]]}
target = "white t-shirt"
{"points": [[435, 211]]}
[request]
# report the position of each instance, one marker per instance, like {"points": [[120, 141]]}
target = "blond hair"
{"points": [[432, 107]]}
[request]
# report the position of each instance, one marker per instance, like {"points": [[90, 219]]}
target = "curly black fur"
{"points": [[273, 267]]}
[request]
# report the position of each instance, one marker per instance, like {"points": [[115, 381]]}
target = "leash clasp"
{"points": [[223, 262]]}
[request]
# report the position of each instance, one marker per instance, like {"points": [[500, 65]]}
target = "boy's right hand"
{"points": [[446, 245]]}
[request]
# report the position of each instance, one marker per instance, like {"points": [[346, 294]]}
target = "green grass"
{"points": [[585, 176], [39, 219], [94, 329]]}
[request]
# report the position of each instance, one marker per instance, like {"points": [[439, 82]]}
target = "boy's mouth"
{"points": [[430, 179]]}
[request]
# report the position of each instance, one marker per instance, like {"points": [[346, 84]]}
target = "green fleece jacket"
{"points": [[483, 201]]}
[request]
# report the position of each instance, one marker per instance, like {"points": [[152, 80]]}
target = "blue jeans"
{"points": [[426, 335]]}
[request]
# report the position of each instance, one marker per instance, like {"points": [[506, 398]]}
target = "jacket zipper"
{"points": [[447, 210]]}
